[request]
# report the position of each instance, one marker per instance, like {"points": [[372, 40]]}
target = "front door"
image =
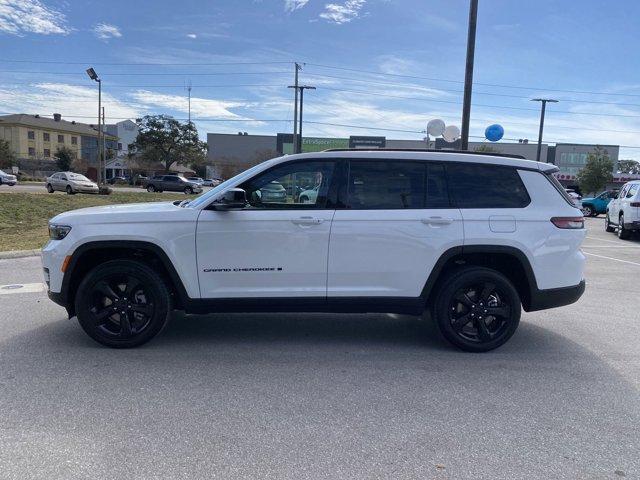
{"points": [[397, 224], [277, 245]]}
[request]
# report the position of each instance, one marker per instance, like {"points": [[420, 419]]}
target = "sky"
{"points": [[381, 67]]}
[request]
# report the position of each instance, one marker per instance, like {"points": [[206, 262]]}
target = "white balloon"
{"points": [[435, 127], [451, 133]]}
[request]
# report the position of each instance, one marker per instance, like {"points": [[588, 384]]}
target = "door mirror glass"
{"points": [[234, 198]]}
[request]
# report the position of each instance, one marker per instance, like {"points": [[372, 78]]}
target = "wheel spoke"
{"points": [[142, 308], [487, 290], [464, 299], [102, 314], [107, 291], [502, 311], [131, 285], [125, 326], [460, 322], [483, 331]]}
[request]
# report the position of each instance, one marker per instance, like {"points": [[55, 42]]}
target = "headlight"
{"points": [[58, 232]]}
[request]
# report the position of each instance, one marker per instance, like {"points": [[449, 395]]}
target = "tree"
{"points": [[629, 166], [64, 158], [162, 138], [597, 172], [7, 158]]}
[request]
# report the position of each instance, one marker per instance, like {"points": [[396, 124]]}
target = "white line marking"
{"points": [[611, 258], [603, 240], [609, 246], [22, 288]]}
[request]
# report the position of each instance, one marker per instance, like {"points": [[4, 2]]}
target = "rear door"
{"points": [[397, 223], [614, 206]]}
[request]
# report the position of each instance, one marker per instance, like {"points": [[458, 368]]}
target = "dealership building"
{"points": [[230, 153]]}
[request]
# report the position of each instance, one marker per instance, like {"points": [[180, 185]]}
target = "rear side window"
{"points": [[632, 191], [486, 186], [386, 185]]}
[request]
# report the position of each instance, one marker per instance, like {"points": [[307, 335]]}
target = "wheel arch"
{"points": [[91, 254], [509, 261]]}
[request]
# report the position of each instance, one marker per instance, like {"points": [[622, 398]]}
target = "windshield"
{"points": [[77, 176], [211, 194]]}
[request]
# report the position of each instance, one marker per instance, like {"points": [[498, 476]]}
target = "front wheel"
{"points": [[587, 211], [477, 309], [623, 233], [122, 303], [188, 190], [69, 190], [607, 225], [151, 189], [50, 188]]}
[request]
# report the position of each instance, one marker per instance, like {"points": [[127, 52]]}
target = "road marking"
{"points": [[609, 246], [22, 288], [611, 258], [603, 240]]}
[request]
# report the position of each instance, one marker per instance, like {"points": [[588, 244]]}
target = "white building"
{"points": [[126, 131]]}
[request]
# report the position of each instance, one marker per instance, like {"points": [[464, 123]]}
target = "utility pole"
{"points": [[104, 150], [542, 112], [468, 74], [302, 89], [295, 87]]}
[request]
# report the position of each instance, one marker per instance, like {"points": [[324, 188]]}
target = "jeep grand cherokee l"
{"points": [[470, 238]]}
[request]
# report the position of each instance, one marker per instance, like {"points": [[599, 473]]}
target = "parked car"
{"points": [[594, 206], [575, 197], [272, 192], [197, 180], [472, 239], [623, 212], [211, 182], [172, 183], [308, 196], [140, 180], [71, 183], [118, 180], [7, 179]]}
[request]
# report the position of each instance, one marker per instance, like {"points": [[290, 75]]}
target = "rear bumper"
{"points": [[555, 297]]}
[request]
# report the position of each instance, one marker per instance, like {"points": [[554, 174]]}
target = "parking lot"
{"points": [[326, 396]]}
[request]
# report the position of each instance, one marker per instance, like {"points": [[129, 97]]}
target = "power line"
{"points": [[168, 64], [183, 74]]}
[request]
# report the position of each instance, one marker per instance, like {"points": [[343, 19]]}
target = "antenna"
{"points": [[188, 87]]}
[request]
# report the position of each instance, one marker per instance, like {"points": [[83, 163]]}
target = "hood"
{"points": [[132, 212]]}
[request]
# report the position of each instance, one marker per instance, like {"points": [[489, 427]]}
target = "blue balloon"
{"points": [[494, 132]]}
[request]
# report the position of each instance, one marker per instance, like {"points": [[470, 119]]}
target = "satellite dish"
{"points": [[451, 133], [494, 132], [435, 127]]}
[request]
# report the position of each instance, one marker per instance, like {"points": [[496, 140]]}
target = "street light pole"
{"points": [[302, 89], [295, 87], [542, 112], [468, 74], [94, 76], [104, 150]]}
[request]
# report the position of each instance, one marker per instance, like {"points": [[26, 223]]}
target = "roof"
{"points": [[44, 123], [439, 155]]}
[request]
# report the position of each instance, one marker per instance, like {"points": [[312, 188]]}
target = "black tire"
{"points": [[607, 225], [588, 211], [188, 190], [304, 199], [151, 188], [131, 286], [50, 188], [472, 294], [623, 233], [69, 190]]}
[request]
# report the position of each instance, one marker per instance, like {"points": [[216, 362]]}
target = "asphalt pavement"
{"points": [[308, 396]]}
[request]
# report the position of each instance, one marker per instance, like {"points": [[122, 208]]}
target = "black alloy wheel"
{"points": [[477, 309], [122, 303]]}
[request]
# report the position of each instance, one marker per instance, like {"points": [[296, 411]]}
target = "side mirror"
{"points": [[234, 198]]}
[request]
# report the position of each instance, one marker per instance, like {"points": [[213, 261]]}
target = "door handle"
{"points": [[307, 221], [437, 221]]}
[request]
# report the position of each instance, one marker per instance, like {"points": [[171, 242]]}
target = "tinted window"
{"points": [[486, 186], [171, 178], [632, 191], [386, 185], [437, 192], [292, 185]]}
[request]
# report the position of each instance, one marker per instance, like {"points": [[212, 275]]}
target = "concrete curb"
{"points": [[20, 254]]}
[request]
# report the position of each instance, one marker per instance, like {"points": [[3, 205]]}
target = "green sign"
{"points": [[317, 144]]}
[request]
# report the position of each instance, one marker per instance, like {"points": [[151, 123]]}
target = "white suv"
{"points": [[470, 238], [623, 212]]}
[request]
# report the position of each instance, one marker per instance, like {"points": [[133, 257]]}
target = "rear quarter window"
{"points": [[486, 186]]}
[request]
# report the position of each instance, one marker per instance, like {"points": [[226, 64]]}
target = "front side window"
{"points": [[386, 185], [292, 185], [486, 186]]}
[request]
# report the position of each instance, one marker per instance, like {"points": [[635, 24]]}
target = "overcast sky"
{"points": [[377, 64]]}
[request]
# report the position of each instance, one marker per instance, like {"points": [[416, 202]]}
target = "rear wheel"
{"points": [[607, 225], [623, 233], [151, 188], [69, 190], [49, 188], [122, 304], [477, 309]]}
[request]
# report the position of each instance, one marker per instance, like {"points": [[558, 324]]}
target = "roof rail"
{"points": [[490, 154]]}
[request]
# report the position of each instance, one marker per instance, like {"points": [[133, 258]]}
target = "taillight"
{"points": [[568, 222], [635, 204]]}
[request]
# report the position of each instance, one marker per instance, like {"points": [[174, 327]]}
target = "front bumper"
{"points": [[555, 297]]}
